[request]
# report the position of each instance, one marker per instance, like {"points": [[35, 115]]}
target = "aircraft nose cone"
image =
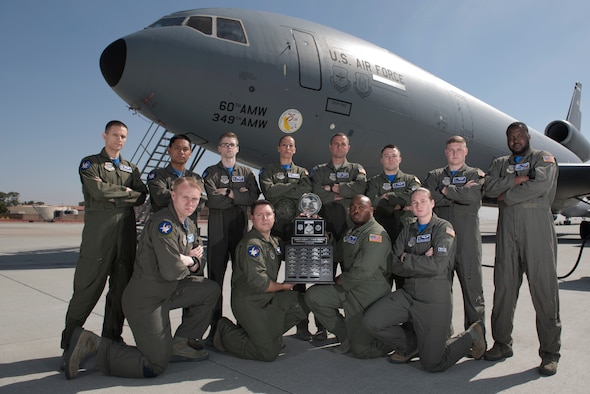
{"points": [[112, 62]]}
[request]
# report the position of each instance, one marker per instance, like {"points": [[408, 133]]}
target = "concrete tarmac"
{"points": [[37, 263]]}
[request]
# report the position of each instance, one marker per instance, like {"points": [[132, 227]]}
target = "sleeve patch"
{"points": [[549, 159], [450, 231], [85, 165], [253, 251], [375, 238], [165, 227]]}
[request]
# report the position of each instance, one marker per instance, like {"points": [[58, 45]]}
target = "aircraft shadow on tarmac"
{"points": [[40, 259]]}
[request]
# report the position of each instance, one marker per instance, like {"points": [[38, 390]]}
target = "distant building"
{"points": [[46, 213]]}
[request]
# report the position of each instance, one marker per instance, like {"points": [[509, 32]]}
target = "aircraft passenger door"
{"points": [[310, 72], [464, 119]]}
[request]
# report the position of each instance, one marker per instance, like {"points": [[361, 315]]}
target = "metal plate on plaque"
{"points": [[309, 264], [304, 227], [309, 240]]}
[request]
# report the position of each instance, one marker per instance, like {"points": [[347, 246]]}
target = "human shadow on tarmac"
{"points": [[301, 369]]}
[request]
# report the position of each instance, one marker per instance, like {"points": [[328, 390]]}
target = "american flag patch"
{"points": [[549, 159], [375, 238], [450, 231]]}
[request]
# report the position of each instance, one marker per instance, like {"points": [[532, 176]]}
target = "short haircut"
{"points": [[517, 125], [229, 134], [339, 135], [456, 139], [391, 146], [285, 136], [192, 182], [179, 137], [114, 123], [423, 190], [260, 202]]}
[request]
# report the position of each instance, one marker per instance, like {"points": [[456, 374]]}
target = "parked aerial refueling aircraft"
{"points": [[208, 71]]}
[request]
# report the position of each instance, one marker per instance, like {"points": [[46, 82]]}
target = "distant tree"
{"points": [[33, 202], [9, 199]]}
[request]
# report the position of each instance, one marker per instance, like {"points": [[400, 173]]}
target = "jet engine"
{"points": [[569, 136]]}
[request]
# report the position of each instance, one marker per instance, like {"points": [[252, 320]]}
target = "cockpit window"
{"points": [[229, 29], [174, 21], [213, 26], [204, 24]]}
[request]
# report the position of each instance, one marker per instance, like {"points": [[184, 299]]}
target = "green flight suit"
{"points": [[159, 183], [398, 192], [228, 218], [283, 188], [526, 243], [352, 180], [365, 278], [108, 243], [160, 283], [461, 207], [418, 315], [262, 317]]}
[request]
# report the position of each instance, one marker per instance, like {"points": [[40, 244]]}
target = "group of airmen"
{"points": [[390, 228]]}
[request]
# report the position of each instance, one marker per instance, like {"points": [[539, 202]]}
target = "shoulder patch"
{"points": [[253, 250], [362, 170], [205, 173], [261, 171], [375, 238], [450, 231], [165, 227], [85, 165], [152, 175], [480, 173], [549, 159]]}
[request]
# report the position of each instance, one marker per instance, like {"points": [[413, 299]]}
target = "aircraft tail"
{"points": [[567, 132], [574, 115]]}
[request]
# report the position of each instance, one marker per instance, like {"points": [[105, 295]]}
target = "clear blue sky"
{"points": [[520, 56]]}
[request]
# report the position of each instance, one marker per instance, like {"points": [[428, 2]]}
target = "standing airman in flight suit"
{"points": [[283, 184], [169, 251], [159, 181], [264, 309], [231, 188], [390, 193], [365, 278], [111, 187], [336, 182], [414, 320], [524, 184], [457, 192]]}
